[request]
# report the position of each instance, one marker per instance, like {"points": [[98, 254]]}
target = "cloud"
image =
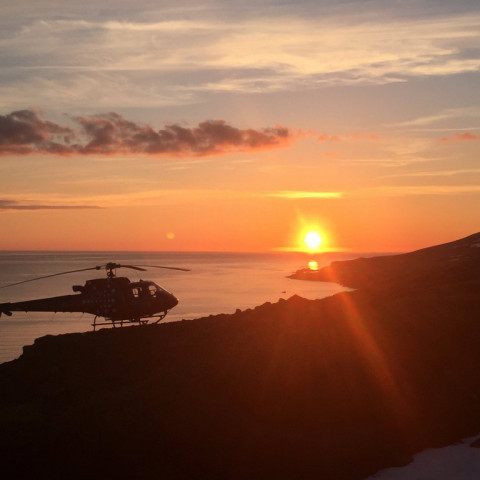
{"points": [[445, 114], [350, 137], [436, 173], [461, 137], [87, 61], [415, 190], [14, 205], [23, 132], [295, 194]]}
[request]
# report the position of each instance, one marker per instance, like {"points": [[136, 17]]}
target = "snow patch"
{"points": [[458, 461]]}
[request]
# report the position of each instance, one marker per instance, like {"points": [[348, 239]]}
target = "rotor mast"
{"points": [[111, 269]]}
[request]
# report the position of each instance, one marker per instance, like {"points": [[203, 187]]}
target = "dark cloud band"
{"points": [[23, 132], [13, 205]]}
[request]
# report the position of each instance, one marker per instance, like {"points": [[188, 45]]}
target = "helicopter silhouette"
{"points": [[116, 299]]}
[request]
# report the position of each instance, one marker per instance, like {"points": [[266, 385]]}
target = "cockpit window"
{"points": [[152, 289], [144, 290]]}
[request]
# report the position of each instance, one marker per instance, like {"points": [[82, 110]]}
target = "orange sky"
{"points": [[169, 128]]}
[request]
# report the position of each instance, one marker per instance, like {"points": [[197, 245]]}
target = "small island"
{"points": [[336, 388]]}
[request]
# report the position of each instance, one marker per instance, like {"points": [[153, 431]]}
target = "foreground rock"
{"points": [[336, 388]]}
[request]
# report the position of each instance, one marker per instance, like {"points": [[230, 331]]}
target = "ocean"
{"points": [[217, 283]]}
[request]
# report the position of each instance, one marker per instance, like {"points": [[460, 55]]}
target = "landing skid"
{"points": [[139, 321]]}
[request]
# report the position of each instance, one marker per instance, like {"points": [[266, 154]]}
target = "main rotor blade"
{"points": [[98, 267], [52, 275], [168, 268], [133, 267]]}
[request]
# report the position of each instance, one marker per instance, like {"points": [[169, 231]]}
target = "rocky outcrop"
{"points": [[336, 388]]}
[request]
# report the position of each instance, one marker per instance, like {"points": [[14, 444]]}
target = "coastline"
{"points": [[217, 284]]}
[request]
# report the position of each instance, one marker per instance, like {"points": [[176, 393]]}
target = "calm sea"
{"points": [[218, 283]]}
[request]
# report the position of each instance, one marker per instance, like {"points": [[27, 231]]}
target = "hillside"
{"points": [[454, 262], [336, 388]]}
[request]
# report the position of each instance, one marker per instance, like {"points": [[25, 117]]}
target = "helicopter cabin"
{"points": [[142, 289]]}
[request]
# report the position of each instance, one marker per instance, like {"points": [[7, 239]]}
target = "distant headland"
{"points": [[448, 263], [336, 388]]}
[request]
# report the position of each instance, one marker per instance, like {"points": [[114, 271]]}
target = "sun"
{"points": [[313, 240]]}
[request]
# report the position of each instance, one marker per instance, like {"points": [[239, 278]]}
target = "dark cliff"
{"points": [[334, 388]]}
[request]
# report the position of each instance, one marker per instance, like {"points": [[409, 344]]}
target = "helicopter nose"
{"points": [[171, 301]]}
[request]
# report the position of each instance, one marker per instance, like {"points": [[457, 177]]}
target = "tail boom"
{"points": [[64, 303]]}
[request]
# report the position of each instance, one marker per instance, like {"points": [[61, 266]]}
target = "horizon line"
{"points": [[254, 252]]}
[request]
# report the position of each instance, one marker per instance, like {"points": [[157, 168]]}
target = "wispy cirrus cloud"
{"points": [[86, 61], [435, 119], [24, 132]]}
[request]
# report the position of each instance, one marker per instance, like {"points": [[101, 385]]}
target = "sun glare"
{"points": [[313, 240], [313, 265]]}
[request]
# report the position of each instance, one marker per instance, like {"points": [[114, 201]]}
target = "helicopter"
{"points": [[116, 299]]}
